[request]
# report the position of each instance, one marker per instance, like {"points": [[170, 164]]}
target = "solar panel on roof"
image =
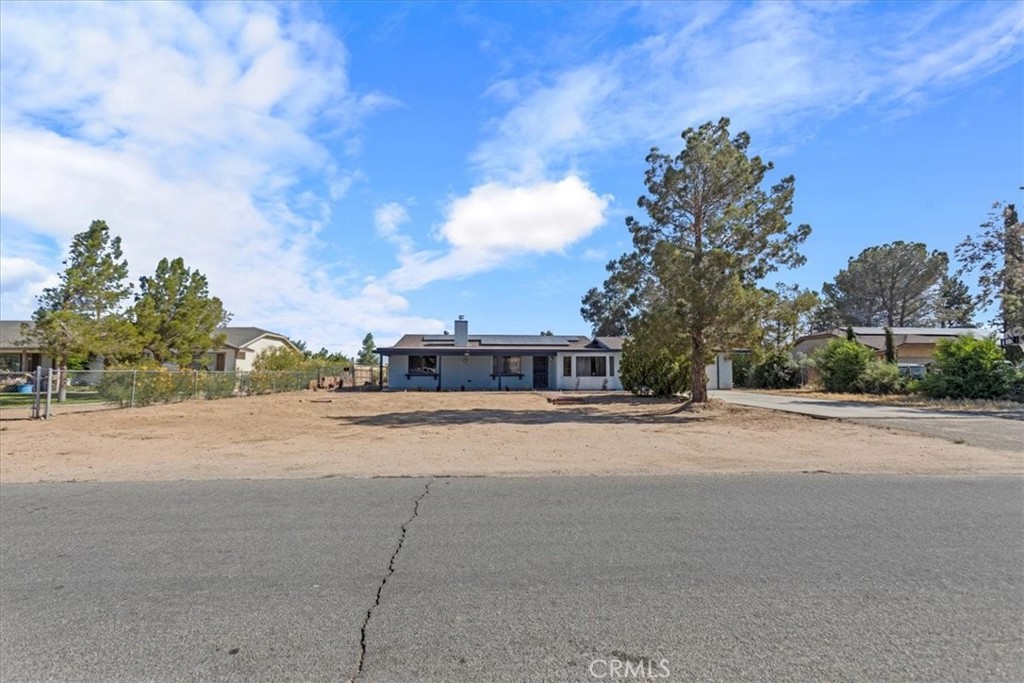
{"points": [[524, 340]]}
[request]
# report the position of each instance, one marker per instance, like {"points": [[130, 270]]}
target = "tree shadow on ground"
{"points": [[563, 414]]}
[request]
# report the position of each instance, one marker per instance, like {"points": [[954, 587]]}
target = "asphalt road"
{"points": [[725, 578], [998, 430]]}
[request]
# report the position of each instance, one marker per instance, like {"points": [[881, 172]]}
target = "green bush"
{"points": [[882, 378], [743, 370], [647, 372], [146, 385], [841, 363], [777, 370], [217, 384], [967, 367], [115, 386]]}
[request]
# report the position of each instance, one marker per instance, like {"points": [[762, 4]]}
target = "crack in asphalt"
{"points": [[384, 581]]}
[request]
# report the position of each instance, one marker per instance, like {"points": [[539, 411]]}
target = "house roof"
{"points": [[875, 336], [480, 344], [11, 334], [242, 337]]}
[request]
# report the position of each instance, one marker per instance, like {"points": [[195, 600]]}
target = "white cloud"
{"points": [[768, 66], [496, 223], [194, 132], [15, 271], [594, 255]]}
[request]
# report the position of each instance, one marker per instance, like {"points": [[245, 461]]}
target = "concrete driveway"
{"points": [[996, 430]]}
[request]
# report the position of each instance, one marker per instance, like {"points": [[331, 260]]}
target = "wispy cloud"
{"points": [[194, 130], [769, 66], [387, 219]]}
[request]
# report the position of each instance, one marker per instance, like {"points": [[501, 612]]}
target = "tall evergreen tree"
{"points": [[996, 254], [175, 317], [367, 356], [83, 314], [889, 285], [787, 315], [955, 307], [712, 232]]}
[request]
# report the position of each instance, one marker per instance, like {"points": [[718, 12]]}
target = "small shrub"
{"points": [[841, 363], [217, 384], [743, 370], [967, 367], [777, 370], [647, 372], [882, 378]]}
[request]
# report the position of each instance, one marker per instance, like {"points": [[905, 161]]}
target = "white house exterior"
{"points": [[243, 344], [488, 362]]}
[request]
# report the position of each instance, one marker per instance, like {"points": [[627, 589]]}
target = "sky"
{"points": [[342, 168]]}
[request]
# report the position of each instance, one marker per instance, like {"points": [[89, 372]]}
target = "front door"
{"points": [[540, 372]]}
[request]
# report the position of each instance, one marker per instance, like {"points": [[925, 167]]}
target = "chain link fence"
{"points": [[47, 392]]}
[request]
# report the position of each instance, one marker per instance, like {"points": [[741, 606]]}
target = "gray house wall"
{"points": [[460, 373]]}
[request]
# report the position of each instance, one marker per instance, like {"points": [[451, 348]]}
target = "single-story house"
{"points": [[15, 354], [460, 361], [241, 345], [914, 345]]}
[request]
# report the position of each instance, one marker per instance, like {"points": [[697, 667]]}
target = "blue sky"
{"points": [[344, 168]]}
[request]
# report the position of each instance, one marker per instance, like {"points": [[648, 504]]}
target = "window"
{"points": [[422, 365], [10, 361], [567, 366], [508, 365], [591, 366], [611, 366]]}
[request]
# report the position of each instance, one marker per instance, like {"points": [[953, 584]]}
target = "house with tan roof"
{"points": [[243, 344], [914, 345], [240, 348]]}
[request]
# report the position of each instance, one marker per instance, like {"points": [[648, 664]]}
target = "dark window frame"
{"points": [[592, 366], [503, 366], [424, 369]]}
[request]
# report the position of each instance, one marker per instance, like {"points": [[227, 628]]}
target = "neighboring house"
{"points": [[914, 345], [460, 361], [243, 344], [15, 354]]}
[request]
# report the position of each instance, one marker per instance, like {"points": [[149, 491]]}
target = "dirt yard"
{"points": [[320, 434]]}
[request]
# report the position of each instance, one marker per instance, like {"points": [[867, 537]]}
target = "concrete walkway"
{"points": [[995, 430]]}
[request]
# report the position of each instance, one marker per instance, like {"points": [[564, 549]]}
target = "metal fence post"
{"points": [[36, 392], [195, 383], [131, 402], [49, 391]]}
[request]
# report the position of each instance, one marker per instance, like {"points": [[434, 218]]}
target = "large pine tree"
{"points": [[83, 315]]}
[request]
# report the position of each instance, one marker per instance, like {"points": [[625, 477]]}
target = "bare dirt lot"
{"points": [[319, 434]]}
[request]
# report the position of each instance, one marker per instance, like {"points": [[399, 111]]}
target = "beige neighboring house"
{"points": [[243, 344], [914, 345], [15, 354]]}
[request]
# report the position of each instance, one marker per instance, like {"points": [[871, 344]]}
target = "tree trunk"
{"points": [[698, 383], [62, 380]]}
